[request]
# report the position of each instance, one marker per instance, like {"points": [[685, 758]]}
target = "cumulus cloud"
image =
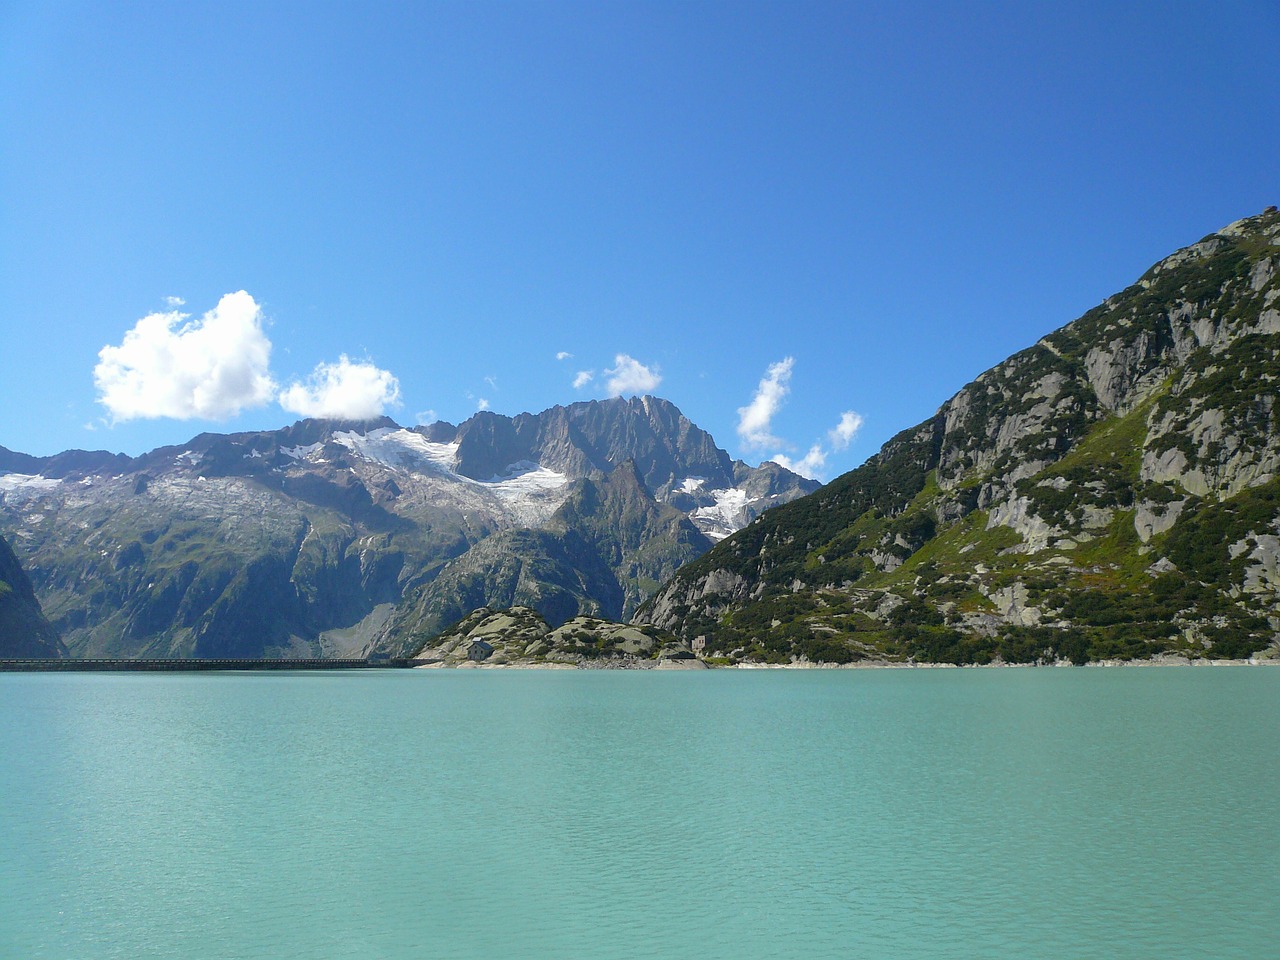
{"points": [[171, 366], [810, 465], [564, 355], [344, 390], [482, 404], [174, 302], [844, 432], [756, 418], [629, 375], [583, 378]]}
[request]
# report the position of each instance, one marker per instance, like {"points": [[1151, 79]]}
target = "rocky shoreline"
{"points": [[520, 638], [638, 663]]}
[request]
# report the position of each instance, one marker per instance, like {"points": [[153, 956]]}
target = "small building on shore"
{"points": [[478, 650]]}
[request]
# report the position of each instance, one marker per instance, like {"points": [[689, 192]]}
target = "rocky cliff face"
{"points": [[1108, 492], [24, 631], [323, 538]]}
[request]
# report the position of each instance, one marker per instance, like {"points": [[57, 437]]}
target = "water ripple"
{"points": [[957, 814]]}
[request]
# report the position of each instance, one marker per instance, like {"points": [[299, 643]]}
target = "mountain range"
{"points": [[1110, 492], [339, 538], [1113, 491]]}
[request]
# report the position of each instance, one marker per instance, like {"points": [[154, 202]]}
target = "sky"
{"points": [[805, 224]]}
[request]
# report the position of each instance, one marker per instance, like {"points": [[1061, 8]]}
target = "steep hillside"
{"points": [[24, 632], [303, 541], [1110, 492]]}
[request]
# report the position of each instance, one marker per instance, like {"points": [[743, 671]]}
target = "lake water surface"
{"points": [[1050, 813]]}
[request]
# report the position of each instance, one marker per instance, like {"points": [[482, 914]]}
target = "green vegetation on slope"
{"points": [[1040, 516]]}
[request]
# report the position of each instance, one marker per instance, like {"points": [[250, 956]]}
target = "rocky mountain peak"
{"points": [[318, 531]]}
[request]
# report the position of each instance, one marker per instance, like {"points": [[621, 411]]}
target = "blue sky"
{"points": [[783, 217]]}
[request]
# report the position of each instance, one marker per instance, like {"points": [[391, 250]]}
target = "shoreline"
{"points": [[668, 665], [583, 663]]}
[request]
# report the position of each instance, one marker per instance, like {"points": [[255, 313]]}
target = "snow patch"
{"points": [[406, 450], [525, 479], [692, 484], [726, 516], [527, 490], [400, 448], [26, 481], [301, 453]]}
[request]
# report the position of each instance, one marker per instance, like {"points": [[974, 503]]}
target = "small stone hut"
{"points": [[478, 650]]}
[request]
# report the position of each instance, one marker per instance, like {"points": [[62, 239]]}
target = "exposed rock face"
{"points": [[716, 591], [1040, 497], [324, 538], [1262, 563], [24, 631], [1151, 518], [593, 437]]}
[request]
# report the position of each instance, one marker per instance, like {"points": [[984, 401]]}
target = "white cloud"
{"points": [[425, 417], [564, 355], [168, 366], [756, 418], [631, 376], [755, 424], [810, 465], [482, 404], [583, 378], [844, 432], [492, 382], [343, 391], [813, 462], [174, 302]]}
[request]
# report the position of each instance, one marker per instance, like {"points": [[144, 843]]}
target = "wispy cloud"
{"points": [[482, 404], [843, 433], [755, 420], [564, 355], [755, 424], [583, 378], [492, 381], [630, 376], [171, 366], [425, 417], [174, 302], [344, 390]]}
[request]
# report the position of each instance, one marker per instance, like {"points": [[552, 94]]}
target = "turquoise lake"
{"points": [[1022, 813]]}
